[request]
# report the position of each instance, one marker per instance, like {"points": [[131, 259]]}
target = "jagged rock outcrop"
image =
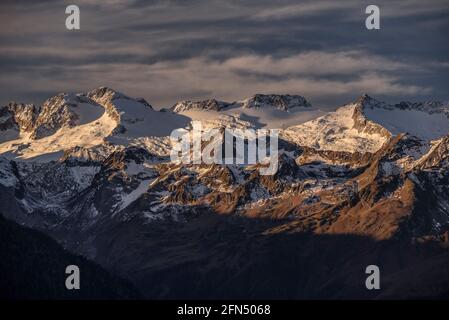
{"points": [[17, 119], [106, 96], [430, 107], [364, 125], [354, 159], [58, 112], [23, 115], [437, 157], [210, 104], [283, 102]]}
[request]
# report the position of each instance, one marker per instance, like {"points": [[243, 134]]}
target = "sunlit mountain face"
{"points": [[93, 170], [354, 123]]}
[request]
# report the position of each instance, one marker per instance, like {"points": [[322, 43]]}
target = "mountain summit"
{"points": [[365, 182], [276, 101]]}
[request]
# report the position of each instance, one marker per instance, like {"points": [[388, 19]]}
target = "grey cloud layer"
{"points": [[171, 50]]}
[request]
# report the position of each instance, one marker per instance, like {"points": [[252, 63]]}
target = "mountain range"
{"points": [[365, 184]]}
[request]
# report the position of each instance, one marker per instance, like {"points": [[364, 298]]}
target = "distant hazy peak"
{"points": [[105, 93], [208, 104], [283, 102], [426, 106], [426, 120], [279, 101], [367, 102]]}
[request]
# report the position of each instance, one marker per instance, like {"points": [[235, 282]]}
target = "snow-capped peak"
{"points": [[105, 94], [345, 129], [365, 101], [65, 110], [427, 121], [98, 118], [17, 118], [209, 104], [282, 102], [426, 106], [108, 118], [367, 124]]}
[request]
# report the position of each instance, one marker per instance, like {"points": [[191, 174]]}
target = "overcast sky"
{"points": [[166, 51]]}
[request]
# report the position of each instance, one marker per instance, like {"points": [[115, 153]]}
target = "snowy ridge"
{"points": [[367, 171], [427, 121], [335, 131], [65, 110], [76, 125], [97, 119], [367, 124], [210, 104], [53, 146], [262, 111], [282, 102]]}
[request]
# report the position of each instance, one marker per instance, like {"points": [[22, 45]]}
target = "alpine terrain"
{"points": [[366, 184]]}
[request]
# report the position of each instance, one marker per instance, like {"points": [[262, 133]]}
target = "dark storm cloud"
{"points": [[171, 50]]}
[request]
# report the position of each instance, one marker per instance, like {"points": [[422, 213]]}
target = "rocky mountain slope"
{"points": [[366, 184], [281, 102], [367, 124], [270, 111]]}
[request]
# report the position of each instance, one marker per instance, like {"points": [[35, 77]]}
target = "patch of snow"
{"points": [[94, 212], [133, 168], [141, 121], [268, 118], [199, 190], [334, 131], [415, 122], [83, 176], [87, 112], [51, 147], [390, 168], [127, 199], [259, 194]]}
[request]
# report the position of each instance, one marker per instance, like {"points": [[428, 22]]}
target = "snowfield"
{"points": [[52, 147], [415, 122], [334, 131], [107, 120], [338, 131]]}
